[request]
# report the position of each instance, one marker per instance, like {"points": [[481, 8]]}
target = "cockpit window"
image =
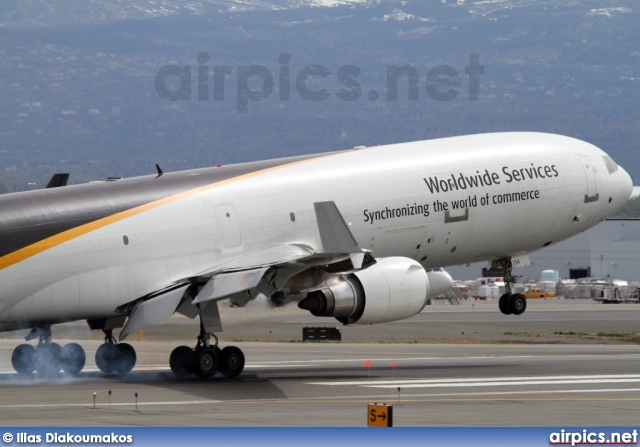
{"points": [[611, 165]]}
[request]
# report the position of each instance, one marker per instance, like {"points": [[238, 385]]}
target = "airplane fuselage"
{"points": [[79, 252]]}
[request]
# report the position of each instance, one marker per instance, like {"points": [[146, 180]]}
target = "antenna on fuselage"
{"points": [[58, 180]]}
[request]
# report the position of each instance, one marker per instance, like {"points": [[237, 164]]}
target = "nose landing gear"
{"points": [[510, 303]]}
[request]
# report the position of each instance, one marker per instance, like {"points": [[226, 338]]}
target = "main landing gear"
{"points": [[48, 358], [510, 303], [206, 360], [115, 357]]}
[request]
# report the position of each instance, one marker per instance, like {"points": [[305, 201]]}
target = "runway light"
{"points": [[109, 399], [95, 395]]}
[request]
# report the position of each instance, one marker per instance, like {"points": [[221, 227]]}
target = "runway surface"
{"points": [[328, 385], [460, 383]]}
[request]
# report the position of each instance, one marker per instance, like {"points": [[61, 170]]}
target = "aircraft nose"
{"points": [[626, 188], [622, 188]]}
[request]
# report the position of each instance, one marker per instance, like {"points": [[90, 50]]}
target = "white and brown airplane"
{"points": [[359, 235]]}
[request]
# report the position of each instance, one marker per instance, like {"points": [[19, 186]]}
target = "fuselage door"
{"points": [[590, 177]]}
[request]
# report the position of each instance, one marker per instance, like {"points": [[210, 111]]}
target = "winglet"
{"points": [[335, 234], [159, 170]]}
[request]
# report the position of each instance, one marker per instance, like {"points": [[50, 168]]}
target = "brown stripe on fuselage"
{"points": [[34, 221]]}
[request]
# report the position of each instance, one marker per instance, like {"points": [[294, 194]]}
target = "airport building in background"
{"points": [[610, 250]]}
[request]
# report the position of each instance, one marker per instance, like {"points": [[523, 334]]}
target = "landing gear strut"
{"points": [[205, 360], [47, 358], [510, 303], [115, 357]]}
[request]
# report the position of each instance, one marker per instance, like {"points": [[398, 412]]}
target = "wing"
{"points": [[264, 272]]}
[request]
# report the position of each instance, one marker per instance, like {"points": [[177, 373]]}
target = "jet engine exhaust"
{"points": [[338, 301]]}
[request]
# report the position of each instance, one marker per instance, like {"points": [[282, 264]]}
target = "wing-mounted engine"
{"points": [[393, 289], [439, 282]]}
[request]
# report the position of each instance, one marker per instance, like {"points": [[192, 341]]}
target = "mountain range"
{"points": [[80, 79]]}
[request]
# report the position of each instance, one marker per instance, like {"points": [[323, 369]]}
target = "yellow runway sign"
{"points": [[380, 415]]}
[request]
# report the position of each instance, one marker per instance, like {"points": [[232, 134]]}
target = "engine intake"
{"points": [[392, 289]]}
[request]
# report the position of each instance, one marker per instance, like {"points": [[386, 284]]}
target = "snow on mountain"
{"points": [[38, 13]]}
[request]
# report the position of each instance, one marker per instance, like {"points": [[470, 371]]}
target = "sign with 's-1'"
{"points": [[380, 415]]}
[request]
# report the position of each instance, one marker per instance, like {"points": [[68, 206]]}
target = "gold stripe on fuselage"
{"points": [[68, 235]]}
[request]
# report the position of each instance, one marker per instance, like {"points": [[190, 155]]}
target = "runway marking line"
{"points": [[314, 363], [484, 381], [481, 397], [532, 382]]}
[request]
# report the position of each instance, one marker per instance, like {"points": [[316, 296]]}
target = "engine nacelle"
{"points": [[439, 282], [392, 289]]}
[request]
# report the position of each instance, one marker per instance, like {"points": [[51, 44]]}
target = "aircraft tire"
{"points": [[105, 356], [232, 361], [125, 358], [180, 362], [505, 305], [47, 359], [205, 362], [23, 359], [72, 358], [518, 303]]}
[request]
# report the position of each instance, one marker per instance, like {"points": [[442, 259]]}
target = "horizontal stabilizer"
{"points": [[229, 283], [153, 310]]}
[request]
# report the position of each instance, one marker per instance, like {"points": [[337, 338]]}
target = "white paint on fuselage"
{"points": [[90, 275]]}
